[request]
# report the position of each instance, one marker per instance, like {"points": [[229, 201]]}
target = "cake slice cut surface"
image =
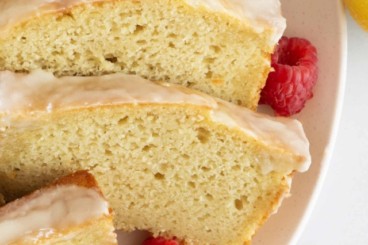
{"points": [[70, 211], [222, 48], [170, 160]]}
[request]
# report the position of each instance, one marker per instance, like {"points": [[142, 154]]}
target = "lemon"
{"points": [[359, 11]]}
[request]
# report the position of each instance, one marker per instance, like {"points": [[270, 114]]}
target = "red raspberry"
{"points": [[295, 73], [159, 241]]}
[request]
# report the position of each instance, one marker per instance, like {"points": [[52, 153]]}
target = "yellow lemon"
{"points": [[359, 11]]}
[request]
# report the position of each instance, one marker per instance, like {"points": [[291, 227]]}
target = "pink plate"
{"points": [[323, 23]]}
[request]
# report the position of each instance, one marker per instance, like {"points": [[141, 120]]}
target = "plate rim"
{"points": [[330, 146]]}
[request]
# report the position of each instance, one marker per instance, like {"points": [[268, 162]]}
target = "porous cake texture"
{"points": [[70, 211], [222, 48], [170, 160]]}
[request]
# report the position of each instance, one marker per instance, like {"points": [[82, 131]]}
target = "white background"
{"points": [[340, 216]]}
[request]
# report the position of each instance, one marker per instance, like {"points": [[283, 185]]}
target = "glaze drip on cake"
{"points": [[57, 208], [19, 95], [260, 13]]}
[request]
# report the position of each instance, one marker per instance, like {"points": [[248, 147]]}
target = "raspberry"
{"points": [[295, 73], [159, 241]]}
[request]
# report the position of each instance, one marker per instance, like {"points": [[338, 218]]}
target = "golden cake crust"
{"points": [[99, 229], [79, 178]]}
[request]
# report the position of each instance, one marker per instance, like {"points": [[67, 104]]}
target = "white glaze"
{"points": [[41, 92], [260, 14], [273, 131], [50, 210], [14, 11]]}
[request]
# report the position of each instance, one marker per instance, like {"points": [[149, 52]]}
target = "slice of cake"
{"points": [[222, 48], [169, 159], [72, 210]]}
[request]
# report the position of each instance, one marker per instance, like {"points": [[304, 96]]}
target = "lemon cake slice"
{"points": [[170, 160], [219, 47], [72, 210]]}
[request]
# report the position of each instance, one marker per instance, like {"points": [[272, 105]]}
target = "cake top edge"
{"points": [[41, 92], [259, 14], [52, 208]]}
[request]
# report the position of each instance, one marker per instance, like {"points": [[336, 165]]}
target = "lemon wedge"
{"points": [[359, 10]]}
